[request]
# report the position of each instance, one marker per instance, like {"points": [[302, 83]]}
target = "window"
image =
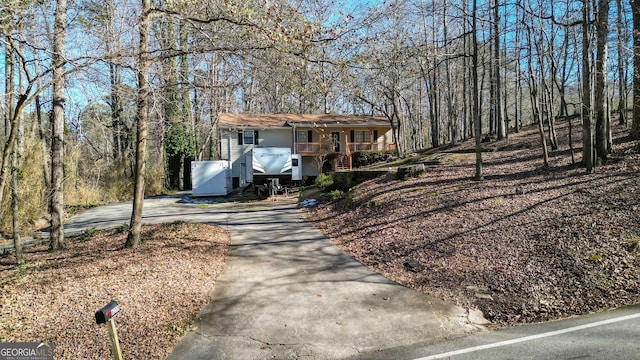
{"points": [[248, 137], [302, 136], [362, 136]]}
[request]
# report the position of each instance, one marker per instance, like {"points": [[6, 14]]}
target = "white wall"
{"points": [[238, 156]]}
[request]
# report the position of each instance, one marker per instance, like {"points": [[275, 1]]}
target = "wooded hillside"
{"points": [[106, 100], [527, 244]]}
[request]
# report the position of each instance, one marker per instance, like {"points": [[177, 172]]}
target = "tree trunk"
{"points": [[476, 108], [118, 131], [8, 118], [635, 122], [8, 123], [601, 108], [116, 113], [622, 65], [174, 135], [535, 101], [500, 126], [587, 137], [15, 207], [56, 240], [547, 110], [451, 113], [133, 239], [9, 70], [187, 113], [518, 91]]}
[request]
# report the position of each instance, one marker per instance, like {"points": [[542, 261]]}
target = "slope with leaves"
{"points": [[527, 244]]}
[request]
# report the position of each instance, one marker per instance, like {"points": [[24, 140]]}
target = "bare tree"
{"points": [[601, 109], [57, 127], [587, 118], [622, 64], [10, 72], [534, 85], [635, 122], [144, 93], [497, 88], [475, 95]]}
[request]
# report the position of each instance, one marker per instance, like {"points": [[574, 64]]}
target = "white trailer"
{"points": [[274, 162], [271, 161], [211, 178], [296, 167]]}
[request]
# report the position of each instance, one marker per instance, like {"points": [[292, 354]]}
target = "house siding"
{"points": [[309, 166], [238, 153]]}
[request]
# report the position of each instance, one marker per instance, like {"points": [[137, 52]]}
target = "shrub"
{"points": [[343, 181], [365, 158], [324, 182], [87, 234], [336, 195]]}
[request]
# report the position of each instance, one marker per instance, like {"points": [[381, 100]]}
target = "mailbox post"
{"points": [[105, 315]]}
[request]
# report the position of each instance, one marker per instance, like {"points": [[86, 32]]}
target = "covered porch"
{"points": [[339, 144]]}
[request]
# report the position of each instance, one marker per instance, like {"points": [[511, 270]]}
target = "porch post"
{"points": [[371, 139], [295, 146]]}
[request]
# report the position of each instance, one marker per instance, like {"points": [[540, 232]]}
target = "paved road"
{"points": [[611, 335]]}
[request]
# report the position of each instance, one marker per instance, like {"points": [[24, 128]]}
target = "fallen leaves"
{"points": [[160, 286], [541, 244]]}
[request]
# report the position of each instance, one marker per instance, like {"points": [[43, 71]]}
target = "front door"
{"points": [[335, 137]]}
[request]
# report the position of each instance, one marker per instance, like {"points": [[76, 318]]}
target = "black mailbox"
{"points": [[107, 312]]}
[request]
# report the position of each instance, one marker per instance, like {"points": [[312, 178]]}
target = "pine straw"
{"points": [[159, 285], [568, 245]]}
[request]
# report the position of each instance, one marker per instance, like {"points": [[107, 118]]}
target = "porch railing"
{"points": [[324, 148], [370, 146], [314, 148]]}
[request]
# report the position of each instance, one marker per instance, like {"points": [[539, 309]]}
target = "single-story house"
{"points": [[324, 141]]}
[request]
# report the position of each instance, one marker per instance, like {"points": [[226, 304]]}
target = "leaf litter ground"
{"points": [[527, 244], [160, 286]]}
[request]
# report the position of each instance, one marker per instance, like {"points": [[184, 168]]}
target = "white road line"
{"points": [[529, 338]]}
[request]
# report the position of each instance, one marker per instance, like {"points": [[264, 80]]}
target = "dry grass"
{"points": [[160, 286]]}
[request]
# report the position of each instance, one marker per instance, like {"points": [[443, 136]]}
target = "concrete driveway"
{"points": [[288, 292]]}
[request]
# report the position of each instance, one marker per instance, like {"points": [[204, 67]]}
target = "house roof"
{"points": [[287, 120]]}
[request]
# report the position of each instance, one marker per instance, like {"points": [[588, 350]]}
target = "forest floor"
{"points": [[160, 287], [566, 244], [527, 244]]}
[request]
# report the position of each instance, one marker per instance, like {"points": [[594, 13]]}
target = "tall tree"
{"points": [[57, 127], [144, 92], [635, 122], [534, 84], [175, 134], [588, 160], [622, 63], [9, 111], [475, 94], [15, 205], [601, 108], [497, 88]]}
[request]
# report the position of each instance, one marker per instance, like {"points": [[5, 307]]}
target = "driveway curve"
{"points": [[288, 292]]}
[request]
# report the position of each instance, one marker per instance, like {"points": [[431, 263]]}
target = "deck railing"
{"points": [[314, 148], [324, 148], [370, 146]]}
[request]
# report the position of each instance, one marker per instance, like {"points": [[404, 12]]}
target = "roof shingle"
{"points": [[284, 120]]}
